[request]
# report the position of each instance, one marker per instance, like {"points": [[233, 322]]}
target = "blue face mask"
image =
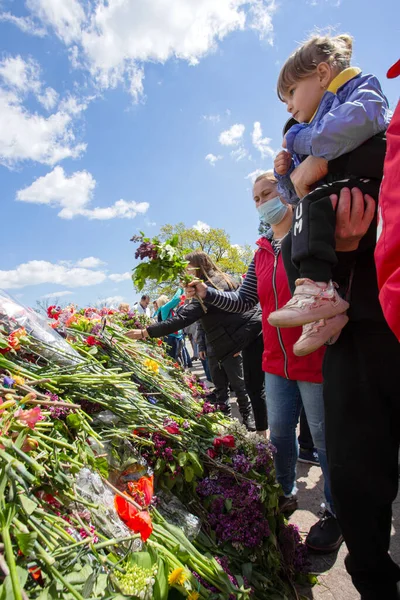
{"points": [[272, 211]]}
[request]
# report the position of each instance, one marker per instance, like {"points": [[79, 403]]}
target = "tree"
{"points": [[230, 258]]}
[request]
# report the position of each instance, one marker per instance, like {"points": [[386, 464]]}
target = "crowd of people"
{"points": [[307, 332]]}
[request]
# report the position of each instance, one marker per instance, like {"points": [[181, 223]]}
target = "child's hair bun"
{"points": [[346, 41]]}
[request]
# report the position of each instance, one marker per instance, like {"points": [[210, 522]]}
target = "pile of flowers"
{"points": [[119, 479]]}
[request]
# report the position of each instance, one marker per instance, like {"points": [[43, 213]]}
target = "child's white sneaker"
{"points": [[318, 333], [311, 302]]}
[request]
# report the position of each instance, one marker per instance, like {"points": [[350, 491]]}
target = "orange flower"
{"points": [[138, 521]]}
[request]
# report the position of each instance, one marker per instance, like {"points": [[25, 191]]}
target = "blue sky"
{"points": [[126, 115]]}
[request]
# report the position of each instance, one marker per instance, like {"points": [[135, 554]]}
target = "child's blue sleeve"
{"points": [[344, 127], [285, 186], [165, 310]]}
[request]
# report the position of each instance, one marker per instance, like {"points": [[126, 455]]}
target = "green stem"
{"points": [[11, 563], [66, 583]]}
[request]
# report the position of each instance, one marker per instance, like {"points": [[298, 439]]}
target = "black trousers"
{"points": [[313, 232], [362, 421], [254, 378], [229, 372]]}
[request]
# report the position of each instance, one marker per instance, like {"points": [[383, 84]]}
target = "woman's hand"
{"points": [[282, 162], [196, 288], [354, 214], [137, 334], [307, 173], [202, 355]]}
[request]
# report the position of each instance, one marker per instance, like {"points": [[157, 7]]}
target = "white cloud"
{"points": [[114, 39], [120, 209], [37, 272], [212, 118], [25, 24], [150, 223], [212, 159], [260, 143], [29, 136], [232, 136], [20, 75], [49, 98], [58, 294], [261, 13], [90, 262], [120, 276], [201, 226], [73, 195], [254, 174], [111, 301], [66, 17], [240, 153]]}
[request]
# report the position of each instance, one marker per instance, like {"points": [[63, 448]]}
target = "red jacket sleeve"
{"points": [[387, 252]]}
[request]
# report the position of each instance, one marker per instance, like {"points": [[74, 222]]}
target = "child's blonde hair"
{"points": [[336, 51]]}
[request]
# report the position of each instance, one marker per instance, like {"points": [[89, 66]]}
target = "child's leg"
{"points": [[313, 235], [313, 253]]}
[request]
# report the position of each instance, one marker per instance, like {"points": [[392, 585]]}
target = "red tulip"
{"points": [[138, 521]]}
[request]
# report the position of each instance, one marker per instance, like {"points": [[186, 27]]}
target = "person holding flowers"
{"points": [[227, 336]]}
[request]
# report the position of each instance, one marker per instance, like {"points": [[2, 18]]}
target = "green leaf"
{"points": [[182, 458], [228, 504], [26, 542], [247, 570], [196, 464], [189, 474], [160, 589], [74, 421], [89, 585], [27, 504]]}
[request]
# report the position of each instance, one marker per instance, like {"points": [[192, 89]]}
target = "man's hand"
{"points": [[282, 162], [354, 214], [137, 334], [196, 288], [202, 355], [307, 173]]}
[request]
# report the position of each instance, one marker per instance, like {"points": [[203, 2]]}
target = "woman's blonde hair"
{"points": [[162, 300], [207, 270], [334, 50], [267, 175]]}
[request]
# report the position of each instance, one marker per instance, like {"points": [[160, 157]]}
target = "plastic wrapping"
{"points": [[14, 315], [90, 486], [175, 512]]}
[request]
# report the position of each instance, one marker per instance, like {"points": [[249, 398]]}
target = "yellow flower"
{"points": [[151, 365], [19, 380], [193, 596], [178, 576]]}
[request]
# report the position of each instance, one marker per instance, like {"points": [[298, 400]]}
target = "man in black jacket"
{"points": [[361, 392]]}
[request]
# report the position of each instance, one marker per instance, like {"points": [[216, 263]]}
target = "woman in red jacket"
{"points": [[290, 381]]}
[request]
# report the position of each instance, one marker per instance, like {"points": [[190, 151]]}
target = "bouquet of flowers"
{"points": [[166, 262]]}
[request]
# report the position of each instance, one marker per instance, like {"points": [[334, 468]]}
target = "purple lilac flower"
{"points": [[186, 425], [236, 513], [208, 408], [241, 464], [293, 549], [58, 412]]}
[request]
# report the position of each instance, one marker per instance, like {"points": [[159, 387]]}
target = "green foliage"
{"points": [[215, 242], [168, 264]]}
